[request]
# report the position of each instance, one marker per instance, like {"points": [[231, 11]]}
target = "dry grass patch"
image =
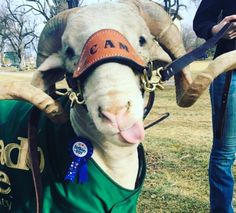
{"points": [[177, 155]]}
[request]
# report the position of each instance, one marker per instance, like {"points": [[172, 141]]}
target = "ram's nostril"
{"points": [[128, 105], [111, 113], [100, 115]]}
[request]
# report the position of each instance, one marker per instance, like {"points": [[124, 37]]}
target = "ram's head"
{"points": [[112, 88]]}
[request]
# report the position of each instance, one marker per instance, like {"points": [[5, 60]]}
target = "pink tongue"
{"points": [[134, 134]]}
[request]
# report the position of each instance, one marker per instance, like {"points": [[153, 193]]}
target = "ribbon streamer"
{"points": [[81, 151]]}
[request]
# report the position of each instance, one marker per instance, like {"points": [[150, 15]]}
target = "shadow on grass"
{"points": [[159, 202], [177, 179]]}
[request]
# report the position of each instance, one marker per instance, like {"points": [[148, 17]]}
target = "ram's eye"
{"points": [[142, 41], [70, 52]]}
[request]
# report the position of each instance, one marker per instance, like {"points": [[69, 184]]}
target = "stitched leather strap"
{"points": [[107, 45], [34, 156]]}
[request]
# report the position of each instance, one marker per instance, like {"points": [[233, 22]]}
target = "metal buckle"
{"points": [[154, 82]]}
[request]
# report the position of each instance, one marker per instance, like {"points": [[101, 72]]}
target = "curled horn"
{"points": [[162, 27], [50, 38], [49, 45], [223, 63], [21, 91], [168, 35]]}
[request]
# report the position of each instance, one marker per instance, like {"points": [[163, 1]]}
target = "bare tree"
{"points": [[2, 33], [74, 3], [191, 41], [48, 9], [189, 38], [173, 6], [19, 32]]}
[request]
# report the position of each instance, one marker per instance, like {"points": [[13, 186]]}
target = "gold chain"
{"points": [[154, 83], [73, 96]]}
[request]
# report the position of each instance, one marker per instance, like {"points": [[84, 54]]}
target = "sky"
{"points": [[186, 13]]}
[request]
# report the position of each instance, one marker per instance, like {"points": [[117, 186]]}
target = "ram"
{"points": [[90, 156]]}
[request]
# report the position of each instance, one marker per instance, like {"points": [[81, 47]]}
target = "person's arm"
{"points": [[231, 33], [206, 17]]}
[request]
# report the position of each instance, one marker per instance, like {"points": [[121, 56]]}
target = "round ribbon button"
{"points": [[80, 149]]}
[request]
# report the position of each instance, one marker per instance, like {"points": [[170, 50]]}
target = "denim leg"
{"points": [[223, 150]]}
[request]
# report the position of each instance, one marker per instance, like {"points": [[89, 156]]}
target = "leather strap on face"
{"points": [[104, 46]]}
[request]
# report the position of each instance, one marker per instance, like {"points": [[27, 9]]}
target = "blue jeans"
{"points": [[223, 150]]}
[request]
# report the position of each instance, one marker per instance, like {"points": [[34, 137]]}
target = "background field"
{"points": [[177, 152], [177, 155]]}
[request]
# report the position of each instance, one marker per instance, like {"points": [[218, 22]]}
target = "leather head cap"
{"points": [[104, 46]]}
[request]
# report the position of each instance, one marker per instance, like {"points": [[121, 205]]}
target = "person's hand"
{"points": [[231, 33]]}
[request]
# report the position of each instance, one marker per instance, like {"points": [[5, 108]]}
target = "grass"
{"points": [[177, 153]]}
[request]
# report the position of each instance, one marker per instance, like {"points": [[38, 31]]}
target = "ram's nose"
{"points": [[114, 116], [129, 129]]}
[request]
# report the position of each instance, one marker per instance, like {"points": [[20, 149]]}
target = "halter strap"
{"points": [[104, 46]]}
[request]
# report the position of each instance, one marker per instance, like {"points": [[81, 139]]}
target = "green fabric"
{"points": [[100, 194]]}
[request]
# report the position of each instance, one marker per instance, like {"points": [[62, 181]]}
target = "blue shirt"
{"points": [[207, 15]]}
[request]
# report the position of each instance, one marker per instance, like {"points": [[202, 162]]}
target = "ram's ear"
{"points": [[52, 62], [50, 66], [49, 72]]}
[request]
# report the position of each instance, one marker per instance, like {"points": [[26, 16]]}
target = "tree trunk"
{"points": [[21, 58]]}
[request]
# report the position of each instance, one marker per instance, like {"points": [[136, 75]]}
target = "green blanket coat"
{"points": [[100, 194]]}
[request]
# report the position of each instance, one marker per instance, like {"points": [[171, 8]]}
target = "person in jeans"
{"points": [[210, 17]]}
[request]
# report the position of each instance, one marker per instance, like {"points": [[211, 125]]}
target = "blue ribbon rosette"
{"points": [[80, 150]]}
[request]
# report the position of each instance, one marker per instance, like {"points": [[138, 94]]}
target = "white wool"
{"points": [[112, 93], [111, 86], [117, 16]]}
